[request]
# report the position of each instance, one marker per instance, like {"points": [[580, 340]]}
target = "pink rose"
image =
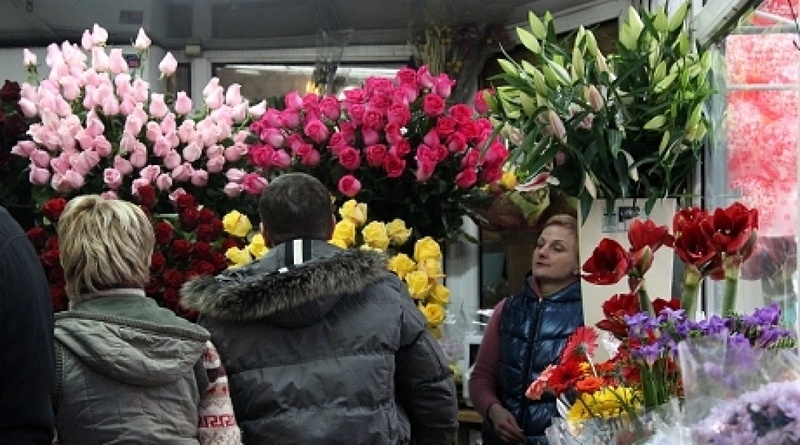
{"points": [[172, 159], [424, 77], [496, 154], [370, 136], [40, 158], [158, 108], [406, 76], [290, 118], [310, 158], [253, 184], [192, 152], [349, 158], [215, 164], [349, 186], [235, 175], [431, 138], [150, 173], [329, 107], [461, 113], [232, 190], [163, 182], [183, 103], [235, 152], [293, 101], [316, 130], [393, 165], [182, 173], [122, 165], [399, 114], [433, 105], [261, 156], [199, 178], [471, 159], [456, 142], [466, 179], [39, 176], [376, 154], [281, 159], [356, 112], [373, 120], [402, 148], [112, 178], [168, 65], [481, 104], [443, 85]]}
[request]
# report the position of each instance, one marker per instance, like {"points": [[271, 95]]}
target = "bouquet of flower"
{"points": [[98, 128], [393, 144], [422, 272], [629, 124]]}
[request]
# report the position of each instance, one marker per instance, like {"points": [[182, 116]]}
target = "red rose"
{"points": [[173, 278], [53, 208], [181, 249], [164, 233], [393, 165], [50, 258], [220, 262], [147, 196], [229, 242], [185, 201], [14, 127], [59, 297], [202, 250], [200, 268], [205, 232], [206, 215], [217, 227], [171, 296], [157, 262], [608, 264], [445, 125], [55, 275], [37, 236], [10, 92], [189, 219], [433, 104], [153, 286], [51, 243]]}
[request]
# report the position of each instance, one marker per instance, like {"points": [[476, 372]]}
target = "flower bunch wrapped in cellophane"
{"points": [[736, 392], [421, 273]]}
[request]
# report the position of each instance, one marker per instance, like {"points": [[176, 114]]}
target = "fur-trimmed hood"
{"points": [[289, 289]]}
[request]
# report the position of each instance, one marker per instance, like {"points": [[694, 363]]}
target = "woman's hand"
{"points": [[505, 426]]}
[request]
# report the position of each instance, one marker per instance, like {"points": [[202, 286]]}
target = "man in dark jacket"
{"points": [[323, 345], [26, 340]]}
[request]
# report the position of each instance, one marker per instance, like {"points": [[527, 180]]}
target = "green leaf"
{"points": [[537, 27], [529, 41]]}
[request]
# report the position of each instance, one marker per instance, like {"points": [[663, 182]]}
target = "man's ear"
{"points": [[267, 240], [333, 225]]}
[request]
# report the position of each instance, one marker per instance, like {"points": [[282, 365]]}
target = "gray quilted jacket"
{"points": [[324, 345], [127, 373]]}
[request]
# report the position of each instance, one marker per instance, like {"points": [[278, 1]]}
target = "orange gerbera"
{"points": [[590, 384]]}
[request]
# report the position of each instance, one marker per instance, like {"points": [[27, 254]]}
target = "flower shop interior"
{"points": [[614, 111]]}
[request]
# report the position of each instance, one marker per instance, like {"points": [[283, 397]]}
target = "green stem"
{"points": [[691, 286], [644, 300], [731, 283]]}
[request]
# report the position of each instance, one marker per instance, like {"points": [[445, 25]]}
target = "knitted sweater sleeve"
{"points": [[217, 422], [483, 378]]}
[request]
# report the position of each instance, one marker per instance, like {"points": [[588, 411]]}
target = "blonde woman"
{"points": [[127, 370]]}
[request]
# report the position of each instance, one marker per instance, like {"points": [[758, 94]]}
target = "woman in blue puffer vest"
{"points": [[526, 333]]}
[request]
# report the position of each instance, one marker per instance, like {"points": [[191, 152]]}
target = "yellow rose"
{"points": [[398, 233], [257, 246], [419, 285], [509, 180], [427, 248], [338, 243], [345, 231], [432, 267], [236, 224], [440, 294], [434, 313], [238, 257], [402, 265], [354, 211], [375, 235]]}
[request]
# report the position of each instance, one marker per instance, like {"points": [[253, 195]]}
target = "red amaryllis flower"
{"points": [[731, 229], [694, 247], [644, 233], [608, 264], [659, 304], [53, 208], [581, 344], [686, 216], [615, 309]]}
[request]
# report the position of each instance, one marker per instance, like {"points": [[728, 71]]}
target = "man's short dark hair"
{"points": [[295, 206]]}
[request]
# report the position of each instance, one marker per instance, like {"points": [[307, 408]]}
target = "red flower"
{"points": [[158, 262], [50, 258], [181, 249], [686, 216], [37, 236], [659, 304], [164, 233], [694, 247], [205, 232], [590, 384], [615, 309], [581, 344], [608, 264], [643, 233], [732, 230], [53, 208], [147, 196], [189, 219], [202, 250], [173, 278], [184, 202], [564, 376]]}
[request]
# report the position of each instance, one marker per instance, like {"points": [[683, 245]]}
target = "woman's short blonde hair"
{"points": [[103, 244]]}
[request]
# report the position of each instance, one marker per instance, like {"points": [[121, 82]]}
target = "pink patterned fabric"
{"points": [[217, 423], [762, 127]]}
